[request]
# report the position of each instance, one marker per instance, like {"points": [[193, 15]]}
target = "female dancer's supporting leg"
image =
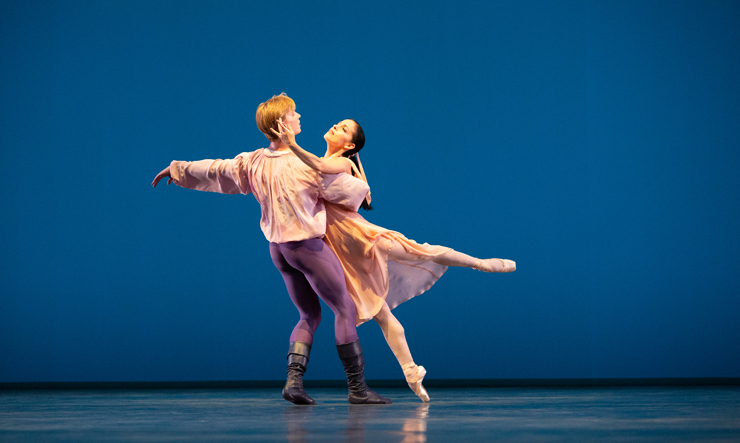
{"points": [[391, 327], [394, 335]]}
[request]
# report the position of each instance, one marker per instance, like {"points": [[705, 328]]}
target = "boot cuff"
{"points": [[350, 349], [299, 348]]}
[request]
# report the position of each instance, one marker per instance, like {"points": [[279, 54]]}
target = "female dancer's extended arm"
{"points": [[324, 165]]}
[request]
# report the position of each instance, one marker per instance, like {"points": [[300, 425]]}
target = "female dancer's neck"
{"points": [[333, 152]]}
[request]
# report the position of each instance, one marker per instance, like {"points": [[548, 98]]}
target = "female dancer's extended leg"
{"points": [[453, 258]]}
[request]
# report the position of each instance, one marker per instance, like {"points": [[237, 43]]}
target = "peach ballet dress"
{"points": [[363, 248]]}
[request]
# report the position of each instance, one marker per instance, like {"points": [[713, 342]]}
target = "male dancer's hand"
{"points": [[165, 173]]}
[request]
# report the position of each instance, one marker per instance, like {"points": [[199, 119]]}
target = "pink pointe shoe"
{"points": [[490, 265], [414, 376]]}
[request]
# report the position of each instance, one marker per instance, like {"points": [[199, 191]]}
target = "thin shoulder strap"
{"points": [[360, 173], [354, 168]]}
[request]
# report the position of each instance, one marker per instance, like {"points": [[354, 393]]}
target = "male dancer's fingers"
{"points": [[159, 177]]}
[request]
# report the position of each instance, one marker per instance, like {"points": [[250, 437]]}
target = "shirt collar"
{"points": [[270, 153]]}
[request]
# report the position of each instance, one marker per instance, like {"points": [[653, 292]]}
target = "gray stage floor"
{"points": [[483, 414]]}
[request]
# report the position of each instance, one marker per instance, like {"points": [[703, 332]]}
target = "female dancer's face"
{"points": [[293, 120], [340, 135]]}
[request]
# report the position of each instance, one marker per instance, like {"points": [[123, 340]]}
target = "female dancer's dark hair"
{"points": [[358, 138]]}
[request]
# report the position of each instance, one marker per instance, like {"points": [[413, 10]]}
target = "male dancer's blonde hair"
{"points": [[270, 111]]}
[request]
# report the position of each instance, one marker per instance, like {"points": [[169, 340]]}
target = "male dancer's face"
{"points": [[293, 120]]}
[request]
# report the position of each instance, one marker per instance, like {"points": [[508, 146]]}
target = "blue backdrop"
{"points": [[595, 143]]}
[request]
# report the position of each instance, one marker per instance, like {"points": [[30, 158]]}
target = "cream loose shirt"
{"points": [[291, 194]]}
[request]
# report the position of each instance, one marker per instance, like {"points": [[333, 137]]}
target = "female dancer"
{"points": [[382, 267]]}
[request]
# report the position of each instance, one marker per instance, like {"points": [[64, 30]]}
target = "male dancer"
{"points": [[291, 197]]}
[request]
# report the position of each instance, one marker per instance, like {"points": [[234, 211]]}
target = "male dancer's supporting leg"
{"points": [[301, 339], [321, 269]]}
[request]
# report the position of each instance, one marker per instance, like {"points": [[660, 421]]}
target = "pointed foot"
{"points": [[414, 376], [495, 265]]}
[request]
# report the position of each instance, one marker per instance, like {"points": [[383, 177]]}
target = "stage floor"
{"points": [[482, 414]]}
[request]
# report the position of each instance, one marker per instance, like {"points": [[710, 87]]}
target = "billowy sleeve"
{"points": [[343, 189], [222, 176]]}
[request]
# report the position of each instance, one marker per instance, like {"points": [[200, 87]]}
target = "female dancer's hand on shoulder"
{"points": [[325, 165], [286, 133]]}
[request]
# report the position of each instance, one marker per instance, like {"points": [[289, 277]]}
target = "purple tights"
{"points": [[312, 270]]}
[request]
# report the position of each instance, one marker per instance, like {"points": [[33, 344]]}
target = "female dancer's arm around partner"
{"points": [[343, 142]]}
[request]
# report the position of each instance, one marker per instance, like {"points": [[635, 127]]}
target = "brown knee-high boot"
{"points": [[354, 365], [297, 361]]}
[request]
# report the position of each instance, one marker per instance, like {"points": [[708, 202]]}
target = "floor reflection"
{"points": [[415, 428], [306, 423], [297, 417], [357, 417]]}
